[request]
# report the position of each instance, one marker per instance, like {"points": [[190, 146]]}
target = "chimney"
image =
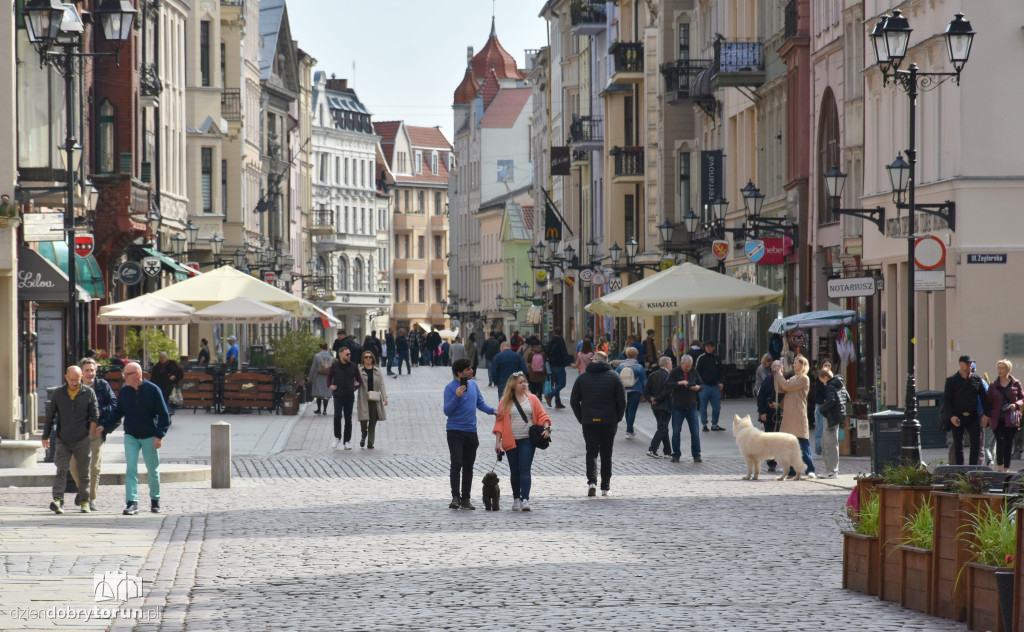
{"points": [[469, 54], [337, 84]]}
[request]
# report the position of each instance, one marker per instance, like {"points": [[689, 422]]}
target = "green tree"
{"points": [[294, 353], [153, 340]]}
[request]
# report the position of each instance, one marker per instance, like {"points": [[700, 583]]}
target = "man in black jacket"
{"points": [[709, 366], [389, 341], [344, 382], [402, 347], [962, 398], [599, 402], [661, 405], [433, 344], [490, 348], [685, 384], [558, 357], [75, 405]]}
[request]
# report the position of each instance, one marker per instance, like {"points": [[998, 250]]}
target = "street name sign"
{"points": [[986, 258]]}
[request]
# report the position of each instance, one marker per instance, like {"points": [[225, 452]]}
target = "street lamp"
{"points": [[615, 252], [835, 180], [894, 32], [216, 245], [631, 248], [178, 242], [592, 250], [191, 233]]}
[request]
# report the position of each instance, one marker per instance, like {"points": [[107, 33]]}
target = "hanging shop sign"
{"points": [[151, 266], [560, 161], [721, 249], [130, 273], [84, 244], [851, 288], [754, 250], [43, 226]]}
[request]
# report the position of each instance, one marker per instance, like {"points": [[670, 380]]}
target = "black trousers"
{"points": [[343, 404], [600, 438], [663, 417], [462, 445], [1004, 444], [771, 424], [973, 430]]}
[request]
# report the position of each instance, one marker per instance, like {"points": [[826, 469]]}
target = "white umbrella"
{"points": [[241, 310], [145, 310], [809, 320]]}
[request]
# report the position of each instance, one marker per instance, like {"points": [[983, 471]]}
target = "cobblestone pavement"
{"points": [[313, 539]]}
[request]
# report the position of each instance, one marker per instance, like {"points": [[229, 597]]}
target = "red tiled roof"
{"points": [[467, 90], [387, 130], [506, 107], [426, 175], [493, 55], [490, 88], [431, 137]]}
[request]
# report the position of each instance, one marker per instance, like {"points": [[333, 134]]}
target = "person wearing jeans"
{"points": [[794, 408], [517, 412], [462, 398], [685, 386], [558, 358], [658, 390], [635, 391], [344, 381], [709, 367]]}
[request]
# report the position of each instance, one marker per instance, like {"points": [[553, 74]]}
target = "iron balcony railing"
{"points": [[231, 104], [588, 14], [733, 57], [629, 161], [322, 219], [679, 76], [627, 56], [790, 19], [586, 129]]}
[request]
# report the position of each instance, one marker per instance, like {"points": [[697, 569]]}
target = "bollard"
{"points": [[220, 455]]}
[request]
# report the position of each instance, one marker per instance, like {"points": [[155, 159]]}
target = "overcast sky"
{"points": [[410, 55]]}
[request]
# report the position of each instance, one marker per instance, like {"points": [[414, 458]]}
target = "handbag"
{"points": [[175, 398], [547, 386], [536, 432], [373, 396]]}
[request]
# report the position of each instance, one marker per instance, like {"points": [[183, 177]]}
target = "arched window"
{"points": [[106, 138], [357, 275], [369, 274], [343, 274], [828, 153]]}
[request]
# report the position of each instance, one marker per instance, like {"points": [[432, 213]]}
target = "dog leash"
{"points": [[496, 461]]}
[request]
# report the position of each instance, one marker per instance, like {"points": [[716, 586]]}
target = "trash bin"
{"points": [[886, 443], [932, 434]]}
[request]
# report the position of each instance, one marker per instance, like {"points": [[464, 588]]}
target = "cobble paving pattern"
{"points": [[317, 539]]}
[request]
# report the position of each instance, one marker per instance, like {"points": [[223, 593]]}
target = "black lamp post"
{"points": [[49, 23], [890, 38]]}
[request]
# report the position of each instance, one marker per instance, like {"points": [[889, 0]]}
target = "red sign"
{"points": [[84, 244], [270, 277], [192, 267], [775, 250], [720, 250], [929, 252]]}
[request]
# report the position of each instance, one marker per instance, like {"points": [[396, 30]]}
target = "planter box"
{"points": [[865, 486], [950, 550], [860, 562], [916, 578], [289, 405], [1018, 574], [895, 503], [983, 598]]}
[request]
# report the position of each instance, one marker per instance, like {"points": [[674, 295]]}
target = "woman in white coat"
{"points": [[371, 398]]}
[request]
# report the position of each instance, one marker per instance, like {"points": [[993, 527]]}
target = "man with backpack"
{"points": [[633, 378], [837, 401], [598, 400]]}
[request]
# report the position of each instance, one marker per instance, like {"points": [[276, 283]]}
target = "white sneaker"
{"points": [[810, 475], [516, 504], [525, 505], [348, 445], [334, 444], [605, 492], [653, 454], [630, 435]]}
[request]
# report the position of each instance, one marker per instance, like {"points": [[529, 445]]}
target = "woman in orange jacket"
{"points": [[512, 432]]}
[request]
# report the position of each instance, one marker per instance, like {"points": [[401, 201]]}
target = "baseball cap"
{"points": [[966, 359], [232, 339]]}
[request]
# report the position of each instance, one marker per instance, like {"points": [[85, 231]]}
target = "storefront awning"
{"points": [[41, 281], [88, 274], [180, 272]]}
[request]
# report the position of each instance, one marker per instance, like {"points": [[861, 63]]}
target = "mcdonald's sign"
{"points": [[552, 224]]}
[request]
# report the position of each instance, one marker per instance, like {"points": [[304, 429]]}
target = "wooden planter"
{"points": [[895, 503], [860, 562], [865, 486], [1018, 574], [952, 549], [983, 597], [916, 578]]}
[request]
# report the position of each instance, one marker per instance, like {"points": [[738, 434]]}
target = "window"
{"points": [[362, 173], [684, 185], [223, 186], [346, 170], [419, 247], [684, 40], [437, 290], [337, 170], [407, 239], [343, 274], [362, 221], [627, 120], [357, 275], [346, 220], [828, 153], [323, 167], [433, 163], [369, 274], [421, 199], [417, 161], [106, 138], [437, 246], [408, 295], [422, 293], [407, 209], [437, 203], [398, 298], [207, 179], [630, 219], [204, 52], [223, 66]]}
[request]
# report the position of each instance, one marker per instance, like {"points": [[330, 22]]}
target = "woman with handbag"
{"points": [[1005, 400], [371, 398], [517, 412]]}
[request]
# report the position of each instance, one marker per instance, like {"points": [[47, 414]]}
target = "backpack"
{"points": [[627, 376], [325, 366], [537, 362]]}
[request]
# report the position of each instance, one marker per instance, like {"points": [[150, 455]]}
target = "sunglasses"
{"points": [[518, 374], [130, 374]]}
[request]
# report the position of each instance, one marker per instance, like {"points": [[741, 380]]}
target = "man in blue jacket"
{"points": [[504, 365], [141, 405], [462, 399]]}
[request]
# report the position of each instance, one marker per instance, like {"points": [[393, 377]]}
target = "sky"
{"points": [[410, 55]]}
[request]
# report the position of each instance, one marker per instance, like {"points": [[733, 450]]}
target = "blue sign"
{"points": [[754, 250], [994, 258]]}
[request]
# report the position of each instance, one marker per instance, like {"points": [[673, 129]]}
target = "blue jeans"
{"points": [[131, 456], [819, 426], [690, 414], [520, 460], [403, 356], [632, 403], [713, 394], [805, 453], [558, 383], [391, 362]]}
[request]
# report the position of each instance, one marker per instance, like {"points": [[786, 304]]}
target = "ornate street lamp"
{"points": [[631, 248], [592, 250], [835, 181], [615, 252], [178, 242], [665, 230]]}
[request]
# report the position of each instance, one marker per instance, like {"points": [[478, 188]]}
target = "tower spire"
{"points": [[493, 6]]}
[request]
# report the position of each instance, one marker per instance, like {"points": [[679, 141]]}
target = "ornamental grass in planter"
{"points": [[860, 547], [916, 560], [991, 536], [905, 487]]}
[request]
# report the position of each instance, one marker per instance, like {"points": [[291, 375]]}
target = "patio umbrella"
{"points": [[241, 310], [145, 310], [684, 289], [810, 320]]}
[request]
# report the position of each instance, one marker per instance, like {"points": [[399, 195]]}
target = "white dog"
{"points": [[756, 446]]}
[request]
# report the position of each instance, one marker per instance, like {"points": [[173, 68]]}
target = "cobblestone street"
{"points": [[312, 539]]}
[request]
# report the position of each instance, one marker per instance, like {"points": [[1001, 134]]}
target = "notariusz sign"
{"points": [[850, 288]]}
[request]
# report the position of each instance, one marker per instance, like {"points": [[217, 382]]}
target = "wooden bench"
{"points": [[197, 391], [249, 390]]}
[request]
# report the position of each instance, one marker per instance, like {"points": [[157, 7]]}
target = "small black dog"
{"points": [[492, 494]]}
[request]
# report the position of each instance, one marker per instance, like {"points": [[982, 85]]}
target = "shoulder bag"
{"points": [[536, 432]]}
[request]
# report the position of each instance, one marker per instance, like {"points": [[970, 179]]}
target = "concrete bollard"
{"points": [[220, 455]]}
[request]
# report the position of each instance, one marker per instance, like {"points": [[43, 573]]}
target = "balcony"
{"points": [[791, 20], [580, 157], [679, 78], [588, 18], [321, 222], [231, 104], [438, 267], [438, 223], [627, 62], [586, 132], [737, 64], [410, 267], [628, 164]]}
